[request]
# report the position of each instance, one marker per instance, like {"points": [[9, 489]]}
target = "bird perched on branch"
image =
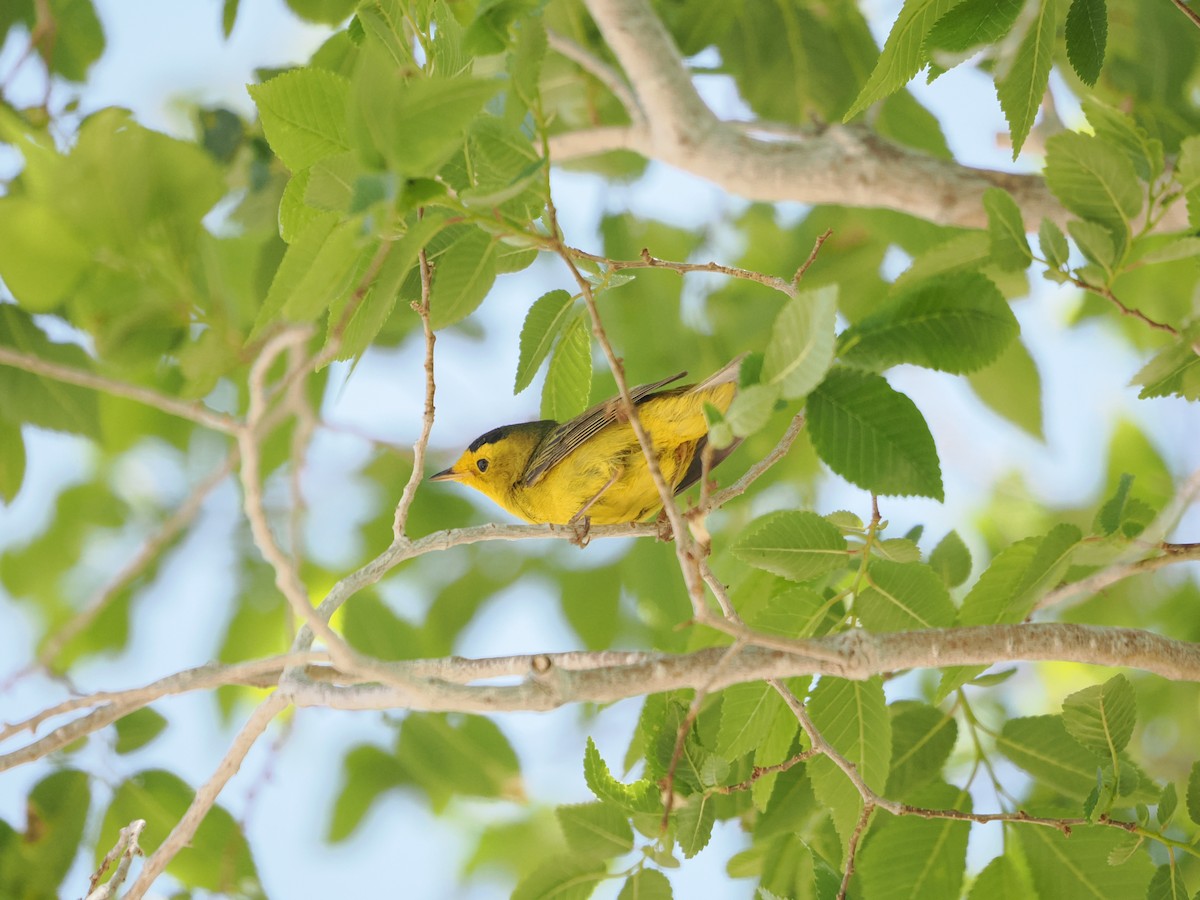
{"points": [[592, 469]]}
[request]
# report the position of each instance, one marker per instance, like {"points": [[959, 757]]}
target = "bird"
{"points": [[591, 469]]}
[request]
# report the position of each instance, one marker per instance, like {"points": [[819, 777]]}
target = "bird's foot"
{"points": [[581, 525]]}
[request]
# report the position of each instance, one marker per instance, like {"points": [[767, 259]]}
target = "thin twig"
{"points": [[400, 520], [122, 853], [1192, 15], [1108, 295], [193, 412], [812, 255], [763, 771], [646, 261], [287, 579]]}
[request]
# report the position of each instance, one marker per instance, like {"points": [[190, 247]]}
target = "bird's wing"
{"points": [[569, 436]]}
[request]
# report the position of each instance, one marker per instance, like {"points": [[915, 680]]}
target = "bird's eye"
{"points": [[481, 464]]}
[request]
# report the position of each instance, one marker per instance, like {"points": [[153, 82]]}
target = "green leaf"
{"points": [[1042, 746], [1001, 879], [326, 12], [951, 560], [1077, 866], [12, 460], [852, 715], [1097, 242], [958, 323], [1173, 248], [56, 811], [417, 125], [291, 277], [1053, 244], [751, 409], [1012, 388], [368, 772], [922, 738], [748, 711], [646, 884], [595, 829], [327, 276], [1116, 128], [26, 398], [639, 797], [918, 857], [1101, 717], [561, 878], [1010, 248], [1021, 90], [138, 729], [694, 824], [800, 350], [1087, 33], [43, 258], [1093, 179], [467, 756], [229, 11], [873, 436], [544, 322], [970, 24], [796, 612], [464, 276], [795, 544], [1168, 884], [902, 55], [903, 597], [1175, 371], [303, 113], [1168, 801], [568, 382], [371, 627], [217, 858], [1193, 792], [1108, 519], [968, 250], [1187, 174]]}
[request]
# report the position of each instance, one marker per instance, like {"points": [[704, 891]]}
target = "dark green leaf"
{"points": [[1193, 792], [903, 597], [796, 544], [138, 729], [367, 773], [1168, 884], [1053, 244], [873, 436], [1101, 717], [1077, 866], [922, 738], [970, 24], [1001, 879], [216, 859], [1010, 249], [1022, 88], [951, 560], [646, 884], [595, 829], [1042, 747], [56, 811], [747, 713], [35, 400], [12, 460], [1175, 371], [902, 55], [568, 382], [638, 797], [303, 112], [464, 276], [800, 350], [544, 322], [1093, 179], [561, 878], [918, 857], [468, 756], [958, 322], [694, 824], [1168, 801], [1087, 34]]}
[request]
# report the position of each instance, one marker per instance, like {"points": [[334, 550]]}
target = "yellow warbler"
{"points": [[592, 466]]}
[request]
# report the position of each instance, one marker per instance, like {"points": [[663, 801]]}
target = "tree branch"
{"points": [[193, 412], [845, 165]]}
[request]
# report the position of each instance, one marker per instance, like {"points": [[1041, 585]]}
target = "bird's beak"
{"points": [[446, 475]]}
